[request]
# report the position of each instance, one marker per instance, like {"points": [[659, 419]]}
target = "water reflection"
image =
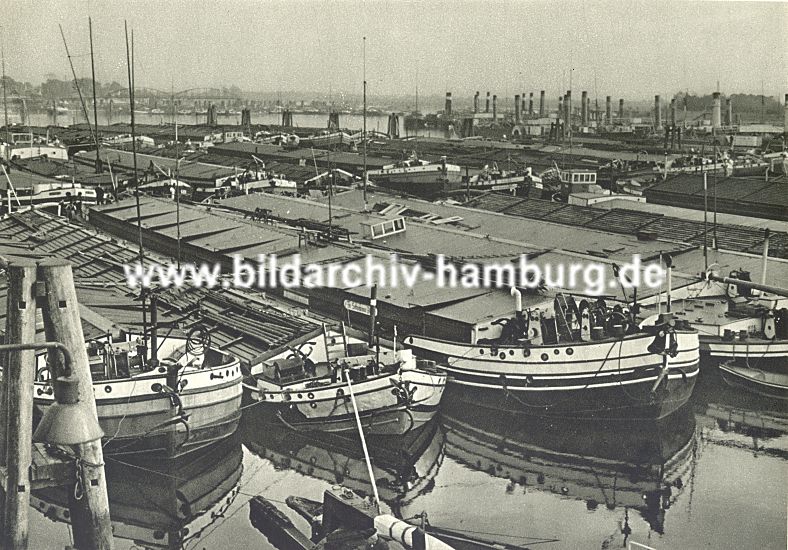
{"points": [[643, 466], [162, 503], [404, 466], [733, 418]]}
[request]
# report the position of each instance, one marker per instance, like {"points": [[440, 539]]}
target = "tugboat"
{"points": [[317, 386], [581, 360]]}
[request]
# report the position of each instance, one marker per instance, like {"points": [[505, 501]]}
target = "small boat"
{"points": [[419, 177], [189, 399], [595, 361], [346, 520], [773, 385], [495, 179], [312, 387], [54, 196]]}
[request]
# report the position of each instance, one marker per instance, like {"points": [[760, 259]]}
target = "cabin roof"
{"points": [[106, 301]]}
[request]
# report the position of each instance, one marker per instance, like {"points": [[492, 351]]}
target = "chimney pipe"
{"points": [[447, 110], [517, 109], [729, 112], [476, 103], [487, 105], [584, 108], [541, 103], [657, 113], [560, 108], [522, 106], [608, 110], [531, 104], [621, 108], [716, 114], [785, 115], [495, 107], [673, 112]]}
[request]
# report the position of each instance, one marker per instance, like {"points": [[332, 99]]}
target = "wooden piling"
{"points": [[89, 507], [17, 422]]}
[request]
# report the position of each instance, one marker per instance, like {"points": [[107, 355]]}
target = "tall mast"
{"points": [[130, 68], [5, 104], [95, 104], [364, 55], [79, 90]]}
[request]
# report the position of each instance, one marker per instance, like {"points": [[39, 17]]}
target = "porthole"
{"points": [[310, 395], [162, 370], [481, 351], [569, 351], [511, 352], [108, 389], [502, 355], [313, 405], [300, 396], [156, 387], [556, 351], [544, 357]]}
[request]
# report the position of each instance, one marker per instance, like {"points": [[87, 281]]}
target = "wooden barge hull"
{"points": [[610, 378], [137, 420], [755, 351], [328, 408]]}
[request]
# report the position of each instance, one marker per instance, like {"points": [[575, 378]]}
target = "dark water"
{"points": [[713, 475]]}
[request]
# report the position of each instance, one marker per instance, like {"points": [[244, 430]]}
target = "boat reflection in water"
{"points": [[733, 418], [404, 466], [635, 465], [160, 503]]}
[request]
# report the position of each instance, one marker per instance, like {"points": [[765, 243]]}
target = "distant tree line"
{"points": [[742, 103]]}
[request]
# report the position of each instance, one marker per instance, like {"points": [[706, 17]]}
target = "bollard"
{"points": [[17, 406], [90, 517]]}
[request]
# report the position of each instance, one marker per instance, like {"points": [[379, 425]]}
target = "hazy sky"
{"points": [[635, 49]]}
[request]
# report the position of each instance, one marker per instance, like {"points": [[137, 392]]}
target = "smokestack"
{"points": [[584, 108], [476, 103], [541, 103], [447, 109], [560, 108], [495, 107], [522, 106], [673, 112], [785, 115], [716, 111], [621, 108], [657, 112], [568, 111], [531, 104], [728, 112], [608, 110], [517, 109], [487, 105]]}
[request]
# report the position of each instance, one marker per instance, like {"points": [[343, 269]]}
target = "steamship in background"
{"points": [[419, 177]]}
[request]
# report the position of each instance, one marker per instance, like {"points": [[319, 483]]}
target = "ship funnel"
{"points": [[608, 110], [716, 114], [518, 301], [541, 103]]}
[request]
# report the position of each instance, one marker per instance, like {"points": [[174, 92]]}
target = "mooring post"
{"points": [[18, 402], [88, 503]]}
